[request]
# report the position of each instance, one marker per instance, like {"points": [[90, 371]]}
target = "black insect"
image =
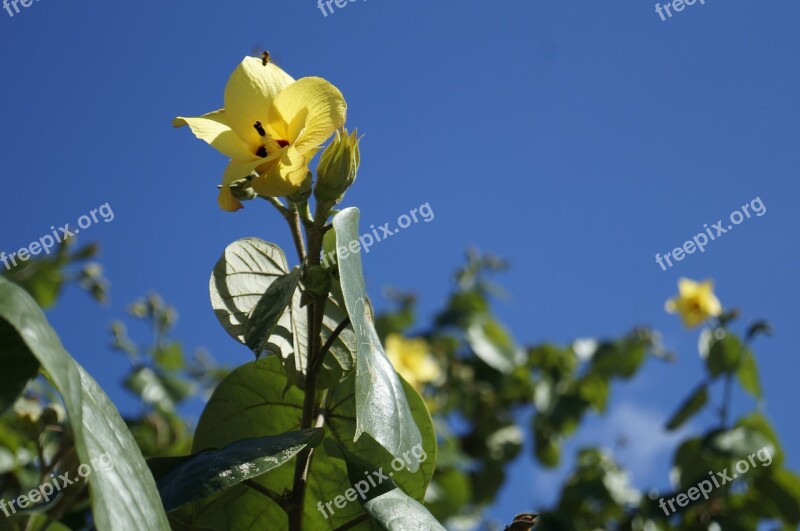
{"points": [[522, 522]]}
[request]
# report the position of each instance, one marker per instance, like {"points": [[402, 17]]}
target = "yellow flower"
{"points": [[412, 360], [271, 125], [695, 302]]}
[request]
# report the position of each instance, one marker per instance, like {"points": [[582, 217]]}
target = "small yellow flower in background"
{"points": [[412, 360], [695, 302], [271, 125]]}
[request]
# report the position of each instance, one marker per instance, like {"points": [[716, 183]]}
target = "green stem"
{"points": [[315, 312], [726, 401], [292, 217], [329, 343], [280, 500]]}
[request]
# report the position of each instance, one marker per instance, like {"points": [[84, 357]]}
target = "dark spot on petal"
{"points": [[282, 143], [260, 129], [262, 152]]}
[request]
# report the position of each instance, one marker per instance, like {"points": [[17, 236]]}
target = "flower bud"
{"points": [[338, 167], [242, 189]]}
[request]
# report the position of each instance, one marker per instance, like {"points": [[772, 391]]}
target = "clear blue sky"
{"points": [[577, 139]]}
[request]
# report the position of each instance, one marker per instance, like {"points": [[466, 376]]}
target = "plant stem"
{"points": [[292, 217], [315, 312], [329, 343], [297, 234], [280, 500], [726, 401]]}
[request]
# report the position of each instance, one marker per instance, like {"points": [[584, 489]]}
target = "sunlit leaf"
{"points": [[397, 511], [211, 471], [382, 409], [240, 278], [124, 496]]}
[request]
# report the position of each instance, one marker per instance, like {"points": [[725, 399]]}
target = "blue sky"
{"points": [[576, 139]]}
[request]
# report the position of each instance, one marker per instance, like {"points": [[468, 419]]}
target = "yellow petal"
{"points": [[213, 128], [249, 94], [307, 113], [227, 202], [427, 370], [236, 170], [283, 178], [688, 287]]}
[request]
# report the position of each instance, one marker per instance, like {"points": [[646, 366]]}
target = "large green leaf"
{"points": [[381, 406], [398, 512], [211, 471], [124, 496], [251, 402], [242, 276]]}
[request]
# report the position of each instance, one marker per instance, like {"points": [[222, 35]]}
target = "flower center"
{"points": [[268, 144]]}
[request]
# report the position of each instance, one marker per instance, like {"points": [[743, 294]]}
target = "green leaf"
{"points": [[98, 429], [449, 492], [246, 270], [398, 512], [546, 443], [169, 357], [211, 471], [725, 354], [594, 389], [268, 311], [381, 406], [492, 343], [146, 383], [781, 491], [620, 358], [757, 422], [251, 402], [738, 442], [691, 406], [748, 375], [18, 367], [369, 480], [693, 460]]}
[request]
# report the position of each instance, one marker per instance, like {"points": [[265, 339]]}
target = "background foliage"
{"points": [[483, 387]]}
